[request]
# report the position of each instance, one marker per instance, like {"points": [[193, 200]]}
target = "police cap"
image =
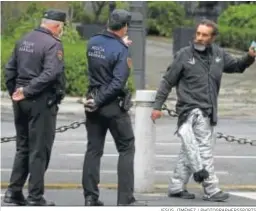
{"points": [[119, 18], [56, 15]]}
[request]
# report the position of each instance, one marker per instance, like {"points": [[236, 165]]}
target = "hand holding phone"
{"points": [[253, 45], [252, 49]]}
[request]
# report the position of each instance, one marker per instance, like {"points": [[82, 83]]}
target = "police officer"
{"points": [[34, 79], [108, 67], [196, 73]]}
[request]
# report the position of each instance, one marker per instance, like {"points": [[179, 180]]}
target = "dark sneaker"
{"points": [[183, 195], [217, 197], [41, 202]]}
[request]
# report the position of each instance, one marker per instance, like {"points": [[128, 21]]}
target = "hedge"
{"points": [[74, 51], [236, 38], [75, 63], [164, 16], [239, 16], [237, 26]]}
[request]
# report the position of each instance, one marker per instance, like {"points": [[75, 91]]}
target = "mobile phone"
{"points": [[253, 45]]}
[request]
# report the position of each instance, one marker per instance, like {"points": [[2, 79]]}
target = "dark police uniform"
{"points": [[36, 65], [108, 67]]}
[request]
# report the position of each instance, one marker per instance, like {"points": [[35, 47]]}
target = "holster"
{"points": [[56, 98], [125, 102]]}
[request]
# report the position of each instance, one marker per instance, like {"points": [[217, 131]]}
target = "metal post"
{"points": [[111, 7], [144, 162], [207, 10], [137, 33]]}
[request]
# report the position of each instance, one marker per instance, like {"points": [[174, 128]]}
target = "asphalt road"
{"points": [[234, 163], [75, 198]]}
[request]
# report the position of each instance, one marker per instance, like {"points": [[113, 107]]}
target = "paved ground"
{"points": [[234, 162], [75, 198]]}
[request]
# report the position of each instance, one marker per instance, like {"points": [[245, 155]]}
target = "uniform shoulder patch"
{"points": [[60, 54], [129, 62]]}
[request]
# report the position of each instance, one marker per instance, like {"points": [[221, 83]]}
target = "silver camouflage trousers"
{"points": [[196, 135]]}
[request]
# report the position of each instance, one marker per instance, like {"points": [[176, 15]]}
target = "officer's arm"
{"points": [[11, 72], [52, 68], [237, 65], [169, 80], [120, 77]]}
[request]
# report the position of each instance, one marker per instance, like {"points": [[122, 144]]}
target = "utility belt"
{"points": [[124, 101], [56, 98]]}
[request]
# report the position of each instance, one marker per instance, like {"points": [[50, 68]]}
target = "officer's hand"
{"points": [[156, 114], [18, 94], [252, 51], [90, 105], [127, 41]]}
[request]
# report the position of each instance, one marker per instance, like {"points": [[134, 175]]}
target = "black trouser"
{"points": [[119, 123], [35, 128]]}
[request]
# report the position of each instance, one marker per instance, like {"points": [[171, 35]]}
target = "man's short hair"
{"points": [[211, 24]]}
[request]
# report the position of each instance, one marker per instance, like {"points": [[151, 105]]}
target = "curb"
{"points": [[73, 106], [157, 187], [224, 113]]}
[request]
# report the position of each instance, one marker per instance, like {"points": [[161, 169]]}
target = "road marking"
{"points": [[167, 156], [104, 171], [228, 187], [250, 195]]}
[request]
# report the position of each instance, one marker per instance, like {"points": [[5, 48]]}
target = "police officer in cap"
{"points": [[106, 107], [34, 78]]}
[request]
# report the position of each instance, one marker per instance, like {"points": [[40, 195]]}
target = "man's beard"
{"points": [[199, 46]]}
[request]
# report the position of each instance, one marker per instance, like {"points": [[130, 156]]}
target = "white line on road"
{"points": [[104, 171], [250, 195], [168, 156]]}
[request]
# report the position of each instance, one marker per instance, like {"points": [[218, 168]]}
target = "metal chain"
{"points": [[227, 138], [171, 112], [73, 125], [60, 129]]}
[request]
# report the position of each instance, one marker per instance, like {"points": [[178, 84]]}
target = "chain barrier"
{"points": [[171, 113], [61, 129], [227, 138]]}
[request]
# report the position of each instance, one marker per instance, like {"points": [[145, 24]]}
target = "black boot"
{"points": [[133, 202], [41, 202], [90, 201], [17, 198], [183, 195]]}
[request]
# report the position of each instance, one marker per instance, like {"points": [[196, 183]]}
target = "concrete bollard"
{"points": [[144, 161]]}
